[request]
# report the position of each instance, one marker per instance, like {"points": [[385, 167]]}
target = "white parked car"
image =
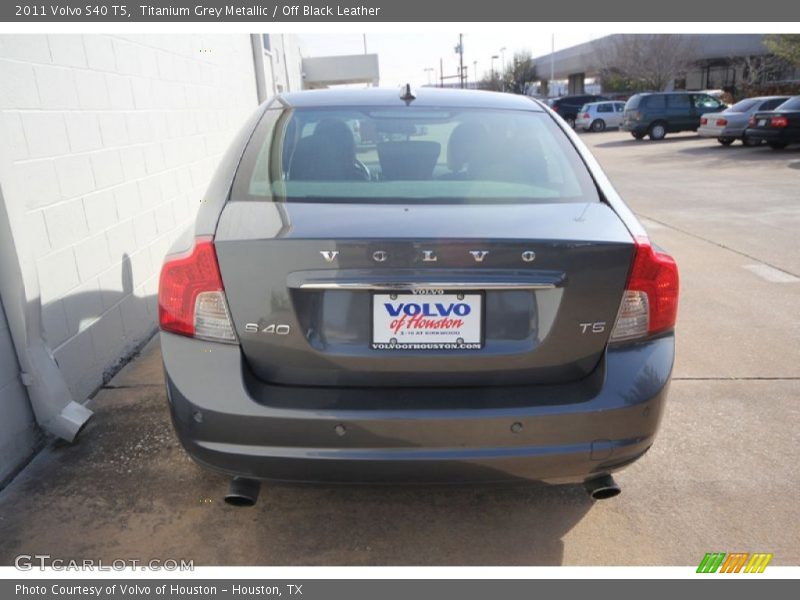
{"points": [[598, 116], [729, 125]]}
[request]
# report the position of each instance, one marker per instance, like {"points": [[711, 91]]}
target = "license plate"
{"points": [[437, 321], [762, 122]]}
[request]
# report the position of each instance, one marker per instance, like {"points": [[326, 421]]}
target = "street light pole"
{"points": [[460, 48], [494, 58], [475, 73], [503, 63]]}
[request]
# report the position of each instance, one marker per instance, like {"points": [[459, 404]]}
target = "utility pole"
{"points": [[365, 42], [441, 73], [475, 73], [460, 50]]}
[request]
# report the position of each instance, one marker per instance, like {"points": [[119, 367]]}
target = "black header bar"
{"points": [[154, 11]]}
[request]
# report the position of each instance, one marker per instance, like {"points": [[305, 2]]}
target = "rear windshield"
{"points": [[791, 104], [743, 105], [411, 154], [772, 104], [633, 102]]}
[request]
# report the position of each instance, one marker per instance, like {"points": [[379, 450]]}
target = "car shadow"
{"points": [[127, 486], [740, 152], [100, 339], [646, 141]]}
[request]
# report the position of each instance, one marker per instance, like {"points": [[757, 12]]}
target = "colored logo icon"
{"points": [[736, 562]]}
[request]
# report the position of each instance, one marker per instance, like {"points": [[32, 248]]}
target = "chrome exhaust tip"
{"points": [[602, 488], [242, 491]]}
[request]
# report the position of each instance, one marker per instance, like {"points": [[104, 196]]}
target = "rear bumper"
{"points": [[783, 135], [719, 132], [230, 422], [634, 126]]}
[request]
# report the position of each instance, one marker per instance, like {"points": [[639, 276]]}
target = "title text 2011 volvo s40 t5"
{"points": [[430, 287]]}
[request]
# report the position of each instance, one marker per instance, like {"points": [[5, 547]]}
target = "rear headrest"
{"points": [[339, 134], [413, 159], [467, 142]]}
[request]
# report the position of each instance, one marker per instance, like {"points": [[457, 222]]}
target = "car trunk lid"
{"points": [[306, 283]]}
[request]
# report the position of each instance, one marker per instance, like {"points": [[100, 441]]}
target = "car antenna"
{"points": [[406, 93]]}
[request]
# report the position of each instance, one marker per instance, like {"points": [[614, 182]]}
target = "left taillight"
{"points": [[191, 297], [650, 301]]}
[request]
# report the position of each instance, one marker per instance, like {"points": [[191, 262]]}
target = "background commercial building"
{"points": [[720, 61]]}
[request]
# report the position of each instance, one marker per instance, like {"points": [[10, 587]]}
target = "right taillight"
{"points": [[587, 116], [191, 298], [650, 301], [779, 122]]}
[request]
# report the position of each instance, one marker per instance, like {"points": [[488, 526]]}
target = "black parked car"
{"points": [[473, 302], [779, 127], [659, 113], [568, 107]]}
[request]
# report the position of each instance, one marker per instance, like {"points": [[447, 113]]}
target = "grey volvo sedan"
{"points": [[414, 287]]}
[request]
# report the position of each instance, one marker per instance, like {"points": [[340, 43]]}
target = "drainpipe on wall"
{"points": [[258, 64], [52, 402]]}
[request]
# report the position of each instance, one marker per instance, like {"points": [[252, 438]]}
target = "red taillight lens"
{"points": [[650, 302], [555, 108], [722, 122], [587, 116], [752, 121], [779, 122], [703, 121], [183, 278]]}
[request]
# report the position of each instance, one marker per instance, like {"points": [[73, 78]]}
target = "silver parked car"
{"points": [[458, 294], [599, 116], [729, 125]]}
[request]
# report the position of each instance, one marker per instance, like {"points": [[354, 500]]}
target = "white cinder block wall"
{"points": [[113, 139]]}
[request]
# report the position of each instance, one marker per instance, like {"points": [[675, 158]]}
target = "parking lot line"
{"points": [[772, 274]]}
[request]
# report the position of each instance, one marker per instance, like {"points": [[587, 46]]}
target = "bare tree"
{"points": [[520, 74], [516, 79], [755, 71], [646, 61], [492, 82], [786, 46]]}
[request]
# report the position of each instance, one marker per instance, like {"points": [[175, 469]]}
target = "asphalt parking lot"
{"points": [[723, 475]]}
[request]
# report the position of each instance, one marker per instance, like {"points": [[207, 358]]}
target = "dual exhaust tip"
{"points": [[244, 492], [602, 488]]}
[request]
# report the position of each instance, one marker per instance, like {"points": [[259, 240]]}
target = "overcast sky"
{"points": [[404, 57]]}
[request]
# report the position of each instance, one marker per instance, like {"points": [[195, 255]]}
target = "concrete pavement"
{"points": [[723, 475]]}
